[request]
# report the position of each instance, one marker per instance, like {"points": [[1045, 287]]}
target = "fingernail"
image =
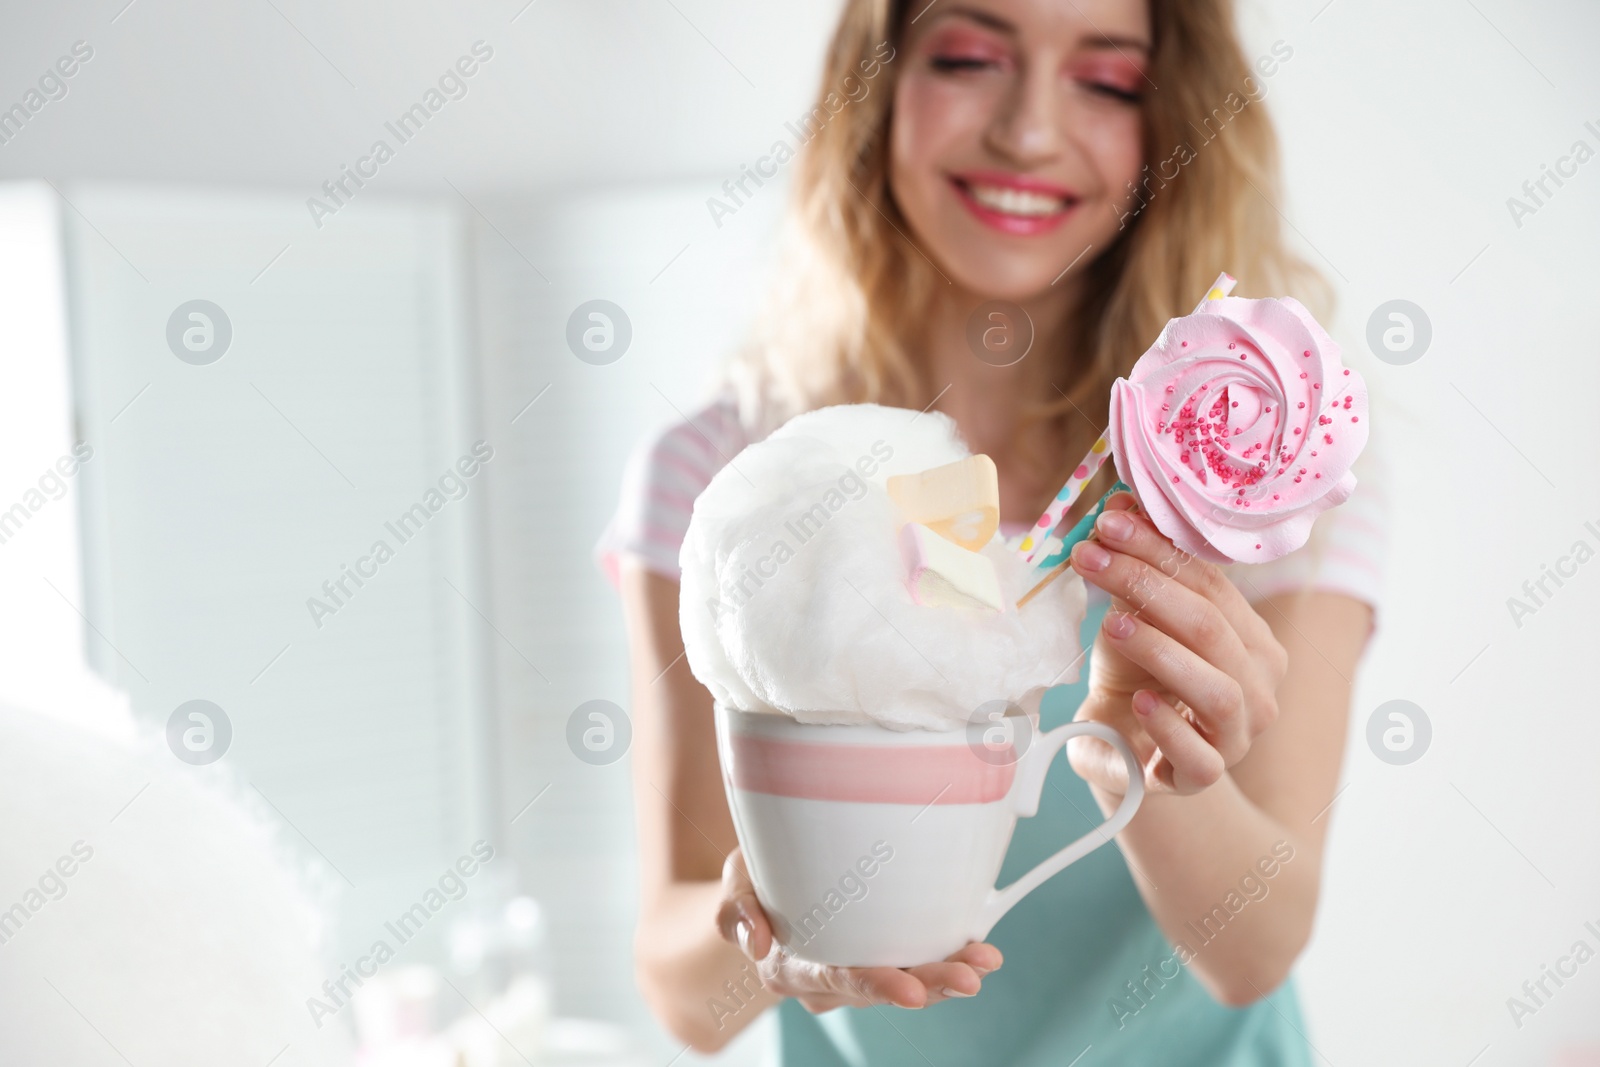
{"points": [[742, 932], [947, 991], [1115, 525], [982, 971], [1119, 624], [1144, 702], [1091, 557]]}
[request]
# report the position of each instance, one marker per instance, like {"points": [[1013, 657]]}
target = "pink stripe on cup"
{"points": [[871, 774]]}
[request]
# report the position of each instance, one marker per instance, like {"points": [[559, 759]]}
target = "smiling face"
{"points": [[1017, 127]]}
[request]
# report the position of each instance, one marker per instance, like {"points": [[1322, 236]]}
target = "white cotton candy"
{"points": [[185, 932], [794, 594]]}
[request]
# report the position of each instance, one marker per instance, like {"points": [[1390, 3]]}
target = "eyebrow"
{"points": [[995, 22], [1102, 40], [984, 18]]}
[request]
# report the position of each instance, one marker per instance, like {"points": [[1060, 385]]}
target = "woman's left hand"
{"points": [[1183, 666]]}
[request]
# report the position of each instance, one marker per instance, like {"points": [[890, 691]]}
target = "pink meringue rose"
{"points": [[1238, 428]]}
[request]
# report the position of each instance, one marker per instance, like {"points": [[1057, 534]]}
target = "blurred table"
{"points": [[567, 1043]]}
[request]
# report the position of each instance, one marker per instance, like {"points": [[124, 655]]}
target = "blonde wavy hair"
{"points": [[852, 290]]}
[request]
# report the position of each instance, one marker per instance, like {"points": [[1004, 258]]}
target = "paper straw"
{"points": [[1081, 530], [1033, 543], [1219, 289]]}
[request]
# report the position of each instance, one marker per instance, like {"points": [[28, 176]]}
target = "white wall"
{"points": [[283, 93], [687, 287], [42, 655]]}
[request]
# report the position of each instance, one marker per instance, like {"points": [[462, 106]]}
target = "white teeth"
{"points": [[1016, 201]]}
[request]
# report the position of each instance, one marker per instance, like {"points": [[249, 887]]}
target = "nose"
{"points": [[1026, 128]]}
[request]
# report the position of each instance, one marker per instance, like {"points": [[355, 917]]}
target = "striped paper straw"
{"points": [[1033, 544]]}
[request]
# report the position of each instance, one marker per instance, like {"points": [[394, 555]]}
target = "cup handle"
{"points": [[1025, 791]]}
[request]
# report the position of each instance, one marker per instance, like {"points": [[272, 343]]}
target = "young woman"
{"points": [[1093, 163]]}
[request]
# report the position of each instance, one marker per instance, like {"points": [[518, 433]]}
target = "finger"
{"points": [[1096, 761], [1131, 532], [962, 972], [1166, 603], [870, 985], [1216, 699], [981, 956], [1122, 501], [820, 1003], [740, 919], [823, 988], [947, 980], [1187, 762], [1099, 764]]}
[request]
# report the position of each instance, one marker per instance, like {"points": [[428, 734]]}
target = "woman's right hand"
{"points": [[820, 987]]}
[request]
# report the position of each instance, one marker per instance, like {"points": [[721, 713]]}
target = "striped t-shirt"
{"points": [[674, 465]]}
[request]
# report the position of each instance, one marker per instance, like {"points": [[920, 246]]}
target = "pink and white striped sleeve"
{"points": [[1346, 553], [665, 474]]}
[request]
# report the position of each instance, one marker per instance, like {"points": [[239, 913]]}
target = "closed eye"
{"points": [[1115, 92], [950, 64]]}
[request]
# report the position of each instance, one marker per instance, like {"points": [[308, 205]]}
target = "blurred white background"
{"points": [[371, 352]]}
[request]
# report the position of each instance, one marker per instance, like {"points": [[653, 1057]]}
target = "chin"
{"points": [[1015, 269], [1013, 282], [1005, 274]]}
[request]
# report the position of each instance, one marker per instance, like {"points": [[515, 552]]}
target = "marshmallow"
{"points": [[959, 501], [942, 574]]}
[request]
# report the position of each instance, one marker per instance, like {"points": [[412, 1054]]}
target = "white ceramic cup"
{"points": [[872, 847]]}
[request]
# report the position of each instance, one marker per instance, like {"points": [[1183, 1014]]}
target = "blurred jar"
{"points": [[396, 1016], [499, 959]]}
